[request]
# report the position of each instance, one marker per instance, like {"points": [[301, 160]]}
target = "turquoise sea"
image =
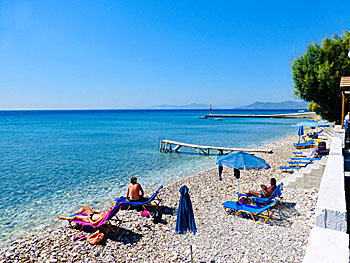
{"points": [[52, 162]]}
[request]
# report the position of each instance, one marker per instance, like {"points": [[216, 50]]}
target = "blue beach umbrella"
{"points": [[185, 217], [242, 160]]}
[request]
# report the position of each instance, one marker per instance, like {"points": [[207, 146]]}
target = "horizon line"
{"points": [[101, 109]]}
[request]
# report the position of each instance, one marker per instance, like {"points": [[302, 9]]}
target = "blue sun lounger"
{"points": [[254, 211], [304, 145], [315, 136], [260, 201], [299, 163], [153, 199], [264, 201], [298, 153], [290, 168], [304, 159], [105, 221]]}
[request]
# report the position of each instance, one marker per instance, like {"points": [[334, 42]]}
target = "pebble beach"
{"points": [[220, 237]]}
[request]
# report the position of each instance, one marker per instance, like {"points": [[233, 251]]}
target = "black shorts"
{"points": [[141, 199]]}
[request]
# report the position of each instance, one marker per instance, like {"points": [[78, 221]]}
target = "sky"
{"points": [[117, 54]]}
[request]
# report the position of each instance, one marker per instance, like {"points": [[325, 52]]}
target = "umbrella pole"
{"points": [[239, 185], [191, 252]]}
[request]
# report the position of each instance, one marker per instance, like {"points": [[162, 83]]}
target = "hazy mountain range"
{"points": [[289, 104], [256, 105]]}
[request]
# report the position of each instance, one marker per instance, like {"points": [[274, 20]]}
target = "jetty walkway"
{"points": [[302, 115], [172, 146]]}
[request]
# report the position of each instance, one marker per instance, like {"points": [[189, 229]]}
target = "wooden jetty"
{"points": [[172, 146], [301, 115]]}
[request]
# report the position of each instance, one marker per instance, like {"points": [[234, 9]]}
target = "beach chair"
{"points": [[311, 154], [304, 159], [260, 201], [105, 221], [290, 168], [296, 165], [299, 163], [299, 153], [304, 145], [255, 212], [315, 136], [152, 201]]}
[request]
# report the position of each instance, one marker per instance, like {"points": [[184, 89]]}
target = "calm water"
{"points": [[52, 162]]}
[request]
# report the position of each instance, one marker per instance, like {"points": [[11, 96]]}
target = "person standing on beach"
{"points": [[135, 192]]}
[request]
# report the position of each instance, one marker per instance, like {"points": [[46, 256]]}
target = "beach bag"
{"points": [[96, 237], [157, 216], [145, 213], [244, 201]]}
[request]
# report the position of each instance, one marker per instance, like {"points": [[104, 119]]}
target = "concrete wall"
{"points": [[339, 133], [327, 245], [331, 203], [329, 241]]}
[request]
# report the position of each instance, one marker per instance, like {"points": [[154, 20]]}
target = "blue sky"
{"points": [[121, 54]]}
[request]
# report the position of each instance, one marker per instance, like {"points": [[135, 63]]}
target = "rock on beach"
{"points": [[220, 237]]}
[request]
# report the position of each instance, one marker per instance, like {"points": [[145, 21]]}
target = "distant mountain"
{"points": [[256, 105], [276, 105], [189, 106]]}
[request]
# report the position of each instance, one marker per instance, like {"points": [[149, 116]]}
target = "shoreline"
{"points": [[219, 236]]}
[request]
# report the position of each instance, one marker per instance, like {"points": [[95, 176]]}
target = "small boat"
{"points": [[217, 119], [301, 111], [202, 117]]}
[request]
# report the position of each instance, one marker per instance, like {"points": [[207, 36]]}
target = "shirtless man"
{"points": [[92, 217], [135, 192], [265, 191]]}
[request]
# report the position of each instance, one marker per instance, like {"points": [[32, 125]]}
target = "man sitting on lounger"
{"points": [[135, 192], [265, 191], [92, 217]]}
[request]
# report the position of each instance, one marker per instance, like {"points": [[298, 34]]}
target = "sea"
{"points": [[53, 162]]}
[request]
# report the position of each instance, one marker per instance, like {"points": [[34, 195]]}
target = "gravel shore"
{"points": [[220, 237]]}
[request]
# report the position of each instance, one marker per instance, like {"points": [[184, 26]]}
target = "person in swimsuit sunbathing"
{"points": [[265, 191], [92, 217], [135, 192]]}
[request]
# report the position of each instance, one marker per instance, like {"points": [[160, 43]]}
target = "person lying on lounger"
{"points": [[265, 191], [92, 217], [135, 192]]}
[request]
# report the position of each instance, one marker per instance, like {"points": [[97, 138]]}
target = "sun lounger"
{"points": [[106, 220], [264, 212], [298, 153], [290, 168], [304, 159], [299, 163], [311, 154], [260, 201], [304, 145], [152, 201], [313, 137]]}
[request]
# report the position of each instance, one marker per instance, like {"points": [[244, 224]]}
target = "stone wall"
{"points": [[329, 241]]}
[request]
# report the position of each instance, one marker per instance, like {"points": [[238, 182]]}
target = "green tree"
{"points": [[317, 74], [313, 107]]}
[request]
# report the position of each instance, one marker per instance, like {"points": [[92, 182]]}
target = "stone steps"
{"points": [[307, 177]]}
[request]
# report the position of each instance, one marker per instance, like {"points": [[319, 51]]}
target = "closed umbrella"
{"points": [[185, 217], [300, 132], [242, 160]]}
